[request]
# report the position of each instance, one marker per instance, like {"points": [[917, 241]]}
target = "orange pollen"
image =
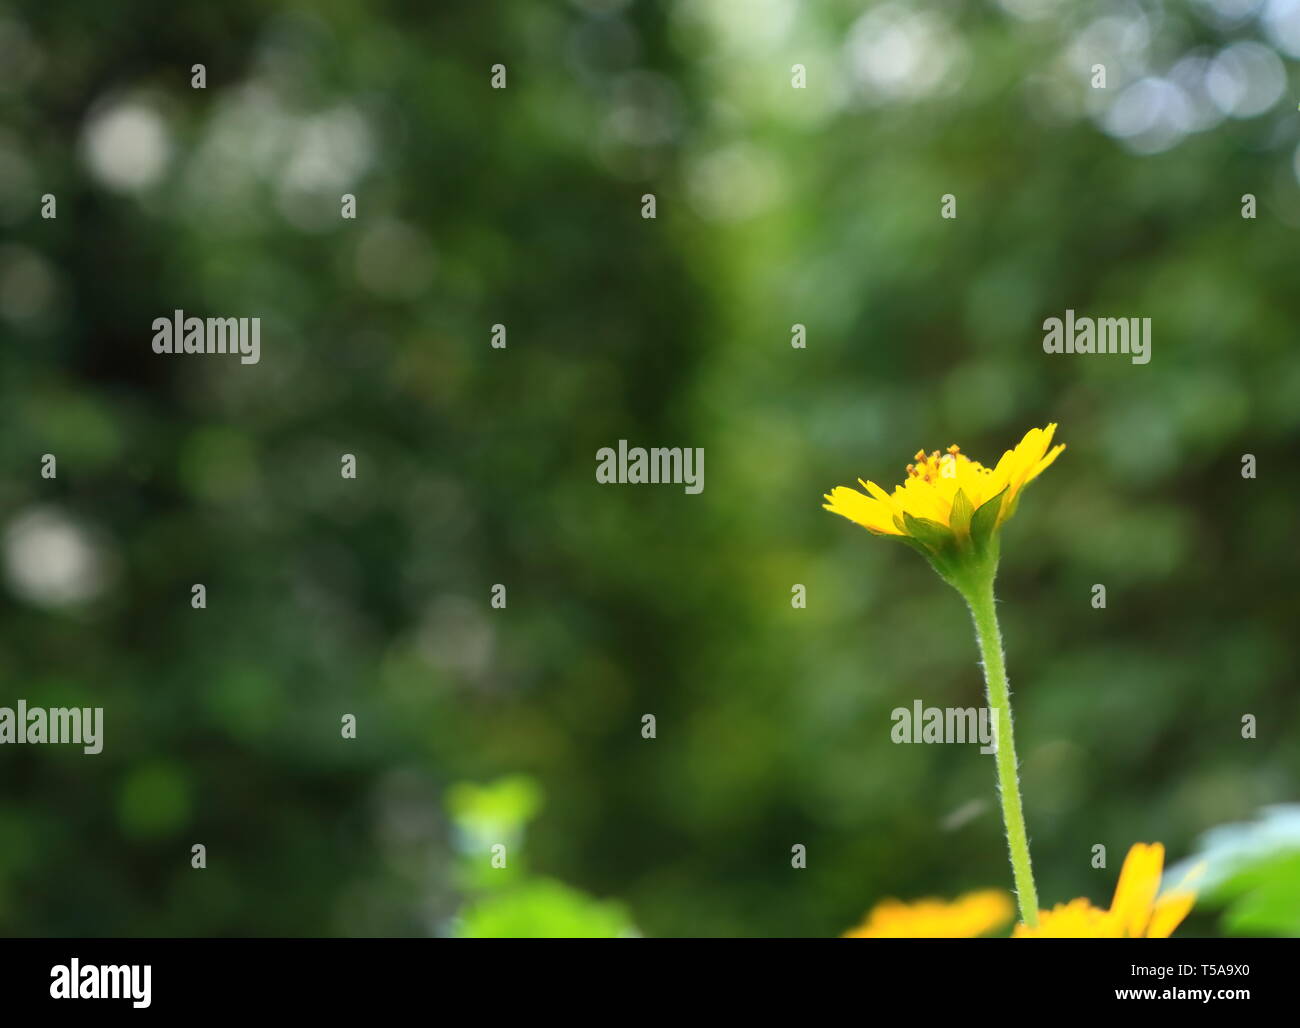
{"points": [[929, 466]]}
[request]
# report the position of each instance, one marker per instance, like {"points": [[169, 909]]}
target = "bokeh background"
{"points": [[776, 206]]}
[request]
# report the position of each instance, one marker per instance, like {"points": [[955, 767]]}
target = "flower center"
{"points": [[929, 467]]}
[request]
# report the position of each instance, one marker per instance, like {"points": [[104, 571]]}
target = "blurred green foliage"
{"points": [[503, 899], [521, 207], [1248, 875]]}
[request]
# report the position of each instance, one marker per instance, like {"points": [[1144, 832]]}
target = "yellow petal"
{"points": [[1028, 454], [1139, 881], [1077, 919], [870, 514], [881, 495], [1046, 462], [967, 917], [1174, 905], [922, 500], [1169, 913]]}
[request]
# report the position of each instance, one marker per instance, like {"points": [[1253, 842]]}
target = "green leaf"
{"points": [[1264, 898], [544, 909], [1251, 872], [497, 808]]}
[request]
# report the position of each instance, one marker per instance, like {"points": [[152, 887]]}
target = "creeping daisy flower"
{"points": [[1135, 912], [967, 917], [948, 499], [950, 509]]}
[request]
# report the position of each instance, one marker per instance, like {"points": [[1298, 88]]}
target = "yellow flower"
{"points": [[1135, 912], [948, 490], [967, 917]]}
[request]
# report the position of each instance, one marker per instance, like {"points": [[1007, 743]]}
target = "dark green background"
{"points": [[476, 466]]}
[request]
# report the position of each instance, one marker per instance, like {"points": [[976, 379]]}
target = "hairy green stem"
{"points": [[980, 599]]}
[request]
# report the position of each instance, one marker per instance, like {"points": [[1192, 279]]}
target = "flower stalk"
{"points": [[979, 597]]}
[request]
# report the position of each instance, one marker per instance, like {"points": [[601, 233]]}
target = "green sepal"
{"points": [[936, 542], [918, 547], [936, 537], [959, 518], [985, 521]]}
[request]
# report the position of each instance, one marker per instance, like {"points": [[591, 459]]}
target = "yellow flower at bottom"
{"points": [[967, 917], [1135, 912]]}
